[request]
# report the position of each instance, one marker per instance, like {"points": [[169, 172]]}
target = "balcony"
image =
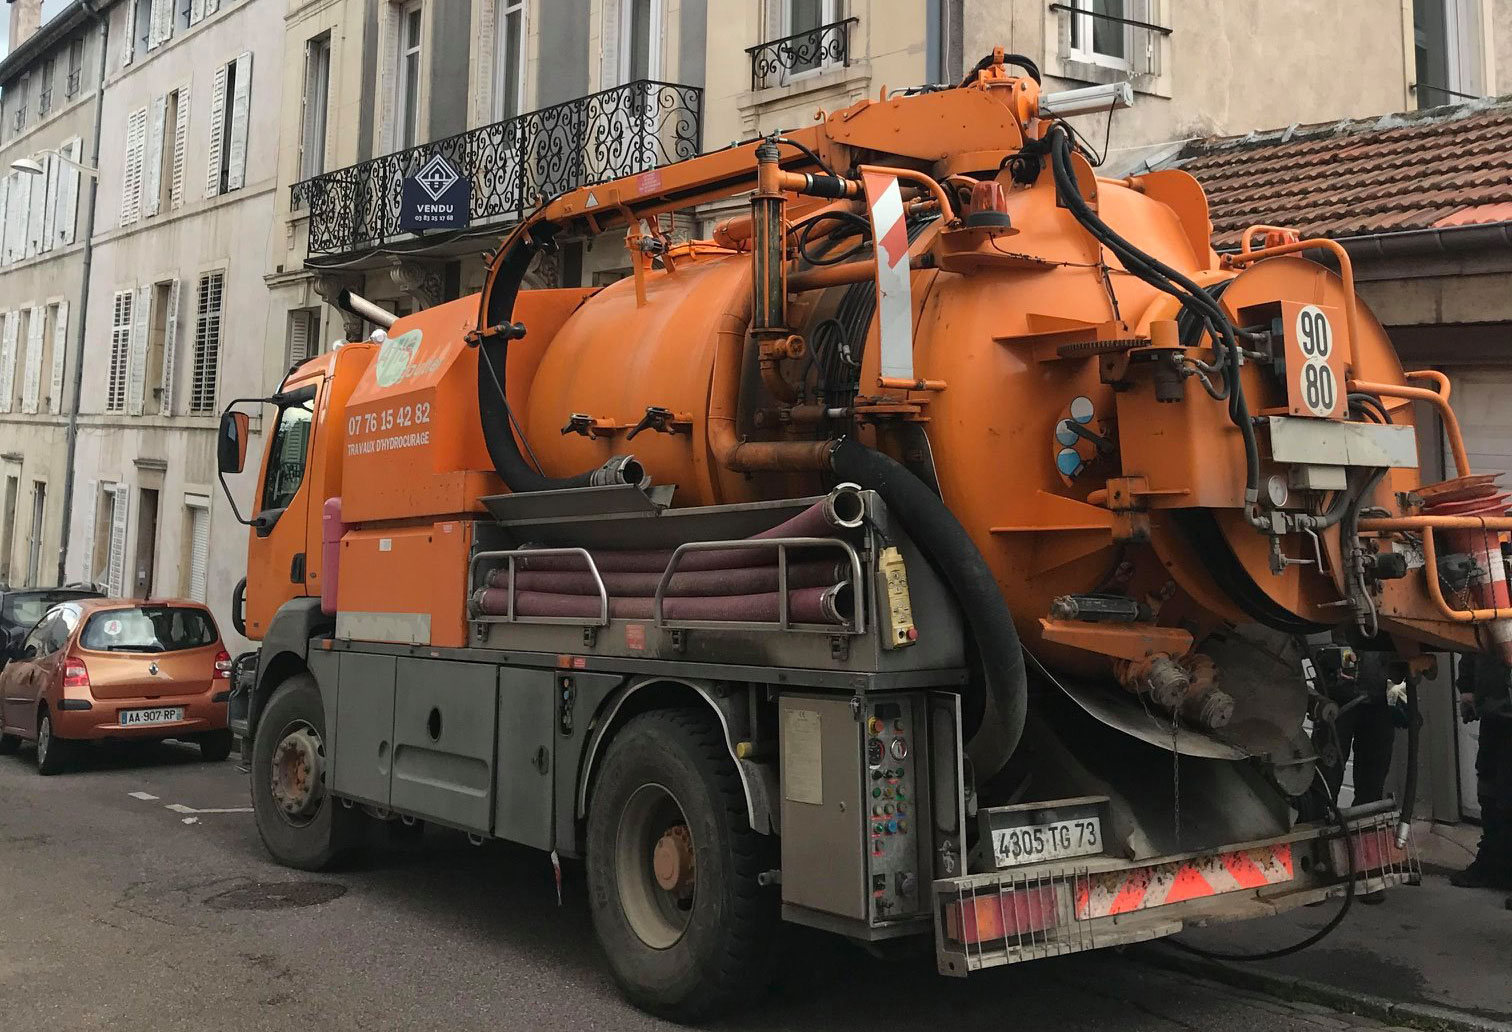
{"points": [[780, 61], [513, 165]]}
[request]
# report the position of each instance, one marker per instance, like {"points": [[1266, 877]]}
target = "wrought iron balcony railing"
{"points": [[513, 165], [777, 62]]}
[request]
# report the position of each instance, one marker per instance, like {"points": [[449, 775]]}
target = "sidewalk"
{"points": [[1431, 956]]}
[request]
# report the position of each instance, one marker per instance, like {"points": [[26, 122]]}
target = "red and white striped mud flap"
{"points": [[884, 202], [1124, 892]]}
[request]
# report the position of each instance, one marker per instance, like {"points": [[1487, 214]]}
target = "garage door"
{"points": [[1482, 399]]}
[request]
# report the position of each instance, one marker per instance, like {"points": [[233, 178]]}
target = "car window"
{"points": [[291, 445], [148, 629], [37, 641], [25, 608]]}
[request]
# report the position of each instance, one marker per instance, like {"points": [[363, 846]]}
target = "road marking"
{"points": [[146, 797], [191, 820], [181, 808]]}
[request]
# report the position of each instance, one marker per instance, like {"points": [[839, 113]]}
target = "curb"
{"points": [[1425, 1016]]}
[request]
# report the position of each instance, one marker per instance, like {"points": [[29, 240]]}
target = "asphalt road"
{"points": [[123, 912]]}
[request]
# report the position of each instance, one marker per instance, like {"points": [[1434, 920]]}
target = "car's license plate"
{"points": [[161, 715], [1033, 843]]}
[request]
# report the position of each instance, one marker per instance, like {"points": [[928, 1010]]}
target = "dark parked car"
{"points": [[21, 608]]}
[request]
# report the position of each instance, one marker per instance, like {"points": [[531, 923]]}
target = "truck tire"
{"points": [[301, 823], [673, 867]]}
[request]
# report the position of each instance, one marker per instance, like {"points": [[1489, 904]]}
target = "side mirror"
{"points": [[231, 442]]}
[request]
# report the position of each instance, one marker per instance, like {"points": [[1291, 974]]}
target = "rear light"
{"points": [[1003, 915], [222, 664], [75, 674]]}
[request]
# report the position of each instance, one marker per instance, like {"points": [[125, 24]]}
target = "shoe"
{"points": [[1509, 902], [1477, 877]]}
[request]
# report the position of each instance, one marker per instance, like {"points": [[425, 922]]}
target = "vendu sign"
{"points": [[436, 197]]}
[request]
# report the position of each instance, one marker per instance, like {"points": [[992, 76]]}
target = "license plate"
{"points": [[1056, 840], [161, 715]]}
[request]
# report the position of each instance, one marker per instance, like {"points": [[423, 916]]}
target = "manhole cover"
{"points": [[276, 895]]}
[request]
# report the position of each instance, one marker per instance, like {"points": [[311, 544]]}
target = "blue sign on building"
{"points": [[436, 197]]}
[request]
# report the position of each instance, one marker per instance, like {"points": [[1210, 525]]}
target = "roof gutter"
{"points": [[1488, 236], [48, 33]]}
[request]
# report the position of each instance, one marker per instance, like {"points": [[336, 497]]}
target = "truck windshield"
{"points": [[290, 447], [149, 629]]}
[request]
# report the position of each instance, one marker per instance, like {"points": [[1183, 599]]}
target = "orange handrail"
{"points": [[1436, 591], [1346, 267], [919, 178], [1434, 398], [1433, 375]]}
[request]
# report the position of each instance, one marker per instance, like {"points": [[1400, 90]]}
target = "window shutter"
{"points": [[211, 6], [4, 215], [155, 25], [180, 144], [8, 359], [15, 235], [129, 40], [116, 569], [217, 130], [68, 195], [131, 179], [170, 348], [136, 376], [488, 15], [196, 11], [152, 162], [389, 58], [240, 110], [609, 41], [36, 197], [199, 552], [299, 337], [87, 510], [60, 358], [31, 386], [53, 173]]}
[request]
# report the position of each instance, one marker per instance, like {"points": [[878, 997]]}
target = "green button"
{"points": [[876, 793]]}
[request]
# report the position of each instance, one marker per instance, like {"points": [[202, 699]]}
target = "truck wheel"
{"points": [[301, 824], [673, 867]]}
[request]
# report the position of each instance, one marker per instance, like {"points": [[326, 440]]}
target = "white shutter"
{"points": [[180, 143], [4, 216], [115, 576], [240, 112], [8, 359], [211, 6], [609, 41], [170, 349], [199, 552], [136, 377], [131, 178], [299, 337], [31, 385], [388, 60], [161, 28], [488, 12], [91, 501], [60, 358], [152, 162], [196, 11], [129, 40], [15, 234], [217, 130], [52, 173], [68, 195], [36, 197]]}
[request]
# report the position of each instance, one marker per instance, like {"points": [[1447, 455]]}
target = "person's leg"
{"points": [[1332, 741], [1373, 739], [1492, 866]]}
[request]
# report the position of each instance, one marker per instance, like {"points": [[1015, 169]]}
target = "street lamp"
{"points": [[33, 167]]}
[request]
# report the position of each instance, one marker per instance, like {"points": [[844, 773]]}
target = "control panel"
{"points": [[893, 821]]}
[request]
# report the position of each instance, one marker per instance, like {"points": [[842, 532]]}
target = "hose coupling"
{"points": [[622, 469]]}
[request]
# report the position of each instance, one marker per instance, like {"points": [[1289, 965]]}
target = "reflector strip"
{"points": [[1124, 892], [894, 296]]}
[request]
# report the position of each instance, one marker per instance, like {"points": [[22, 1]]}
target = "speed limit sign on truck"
{"points": [[1317, 352]]}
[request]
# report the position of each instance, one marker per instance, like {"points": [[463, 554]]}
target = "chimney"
{"points": [[25, 20]]}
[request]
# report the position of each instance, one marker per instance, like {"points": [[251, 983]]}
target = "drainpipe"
{"points": [[83, 315]]}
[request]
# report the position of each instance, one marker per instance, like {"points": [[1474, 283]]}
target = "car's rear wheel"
{"points": [[673, 869], [52, 752], [214, 746], [300, 822]]}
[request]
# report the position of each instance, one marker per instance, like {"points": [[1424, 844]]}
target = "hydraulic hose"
{"points": [[947, 546]]}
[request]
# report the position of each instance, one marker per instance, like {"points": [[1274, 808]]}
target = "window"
{"points": [[304, 336], [1097, 34], [44, 95], [8, 532], [35, 334], [163, 158], [75, 66], [197, 544], [640, 39], [157, 339], [160, 23], [15, 394], [10, 334], [312, 144], [120, 350], [286, 462], [806, 16], [38, 527], [407, 97], [228, 130], [134, 159], [149, 629], [509, 61], [23, 89], [1446, 51], [207, 335]]}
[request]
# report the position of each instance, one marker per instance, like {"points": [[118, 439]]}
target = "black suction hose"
{"points": [[954, 555]]}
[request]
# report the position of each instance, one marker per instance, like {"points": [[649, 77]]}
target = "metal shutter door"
{"points": [[199, 552]]}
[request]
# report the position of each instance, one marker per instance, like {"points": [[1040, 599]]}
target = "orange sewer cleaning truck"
{"points": [[924, 555]]}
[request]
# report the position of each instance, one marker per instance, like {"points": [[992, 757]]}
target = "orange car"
{"points": [[112, 668]]}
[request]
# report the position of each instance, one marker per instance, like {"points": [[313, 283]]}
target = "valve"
{"points": [[662, 421]]}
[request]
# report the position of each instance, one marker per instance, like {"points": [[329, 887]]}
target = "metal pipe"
{"points": [[825, 276], [356, 304], [1434, 398], [740, 581], [947, 210], [820, 605]]}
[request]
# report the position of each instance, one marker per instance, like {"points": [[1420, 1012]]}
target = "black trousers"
{"points": [[1367, 731], [1493, 776]]}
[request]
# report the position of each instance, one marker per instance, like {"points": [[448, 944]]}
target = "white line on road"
{"points": [[146, 797], [181, 808]]}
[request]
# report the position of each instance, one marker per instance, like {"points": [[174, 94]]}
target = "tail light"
{"points": [[222, 665], [75, 674]]}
